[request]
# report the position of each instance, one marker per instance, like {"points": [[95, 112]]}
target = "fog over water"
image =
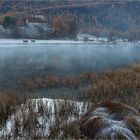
{"points": [[67, 58], [20, 60]]}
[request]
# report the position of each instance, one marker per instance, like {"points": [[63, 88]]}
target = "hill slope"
{"points": [[98, 17]]}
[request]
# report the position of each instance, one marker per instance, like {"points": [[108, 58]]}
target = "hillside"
{"points": [[96, 17]]}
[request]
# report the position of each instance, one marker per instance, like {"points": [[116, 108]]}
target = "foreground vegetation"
{"points": [[38, 119], [119, 85]]}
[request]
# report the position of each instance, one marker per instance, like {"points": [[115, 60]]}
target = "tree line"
{"points": [[61, 28]]}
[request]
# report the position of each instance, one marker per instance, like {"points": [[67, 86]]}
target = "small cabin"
{"points": [[1, 28]]}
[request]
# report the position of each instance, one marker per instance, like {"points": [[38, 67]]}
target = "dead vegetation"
{"points": [[43, 119], [58, 81], [8, 103], [120, 85], [30, 118], [111, 120]]}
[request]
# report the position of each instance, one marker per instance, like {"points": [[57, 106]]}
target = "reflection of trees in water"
{"points": [[38, 61]]}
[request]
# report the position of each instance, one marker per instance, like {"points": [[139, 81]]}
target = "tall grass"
{"points": [[8, 103], [37, 119], [120, 85]]}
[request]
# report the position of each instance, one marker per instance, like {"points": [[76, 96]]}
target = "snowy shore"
{"points": [[28, 42]]}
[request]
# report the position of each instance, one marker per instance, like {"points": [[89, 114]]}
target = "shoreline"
{"points": [[4, 41]]}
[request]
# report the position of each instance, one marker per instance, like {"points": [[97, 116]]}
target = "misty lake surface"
{"points": [[66, 56], [20, 60]]}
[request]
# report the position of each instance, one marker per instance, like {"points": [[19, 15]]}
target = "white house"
{"points": [[1, 29], [36, 25], [39, 16]]}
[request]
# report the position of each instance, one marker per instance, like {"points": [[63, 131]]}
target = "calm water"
{"points": [[19, 60]]}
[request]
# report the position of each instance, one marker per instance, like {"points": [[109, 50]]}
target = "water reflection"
{"points": [[34, 60]]}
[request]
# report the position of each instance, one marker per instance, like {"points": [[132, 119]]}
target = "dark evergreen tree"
{"points": [[9, 22]]}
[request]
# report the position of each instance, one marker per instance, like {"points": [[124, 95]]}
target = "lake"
{"points": [[20, 60]]}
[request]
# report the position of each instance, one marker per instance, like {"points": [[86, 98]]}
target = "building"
{"points": [[39, 16], [36, 22], [1, 29], [38, 26]]}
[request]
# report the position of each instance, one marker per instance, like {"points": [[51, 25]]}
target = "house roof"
{"points": [[36, 20]]}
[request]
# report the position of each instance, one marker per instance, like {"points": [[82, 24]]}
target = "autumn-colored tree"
{"points": [[134, 35], [111, 35], [58, 23], [96, 32], [63, 27], [72, 28]]}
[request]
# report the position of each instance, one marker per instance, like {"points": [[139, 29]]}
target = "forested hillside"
{"points": [[99, 17]]}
